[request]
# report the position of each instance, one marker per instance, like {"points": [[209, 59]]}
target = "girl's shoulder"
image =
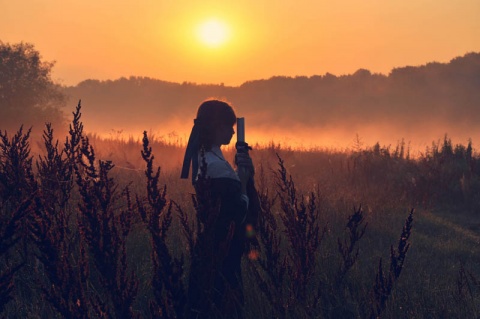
{"points": [[218, 167]]}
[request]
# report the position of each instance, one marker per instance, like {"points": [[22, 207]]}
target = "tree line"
{"points": [[440, 97], [435, 96]]}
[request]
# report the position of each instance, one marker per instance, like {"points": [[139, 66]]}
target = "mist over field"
{"points": [[419, 104]]}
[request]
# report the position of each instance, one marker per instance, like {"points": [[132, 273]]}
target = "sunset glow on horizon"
{"points": [[258, 40]]}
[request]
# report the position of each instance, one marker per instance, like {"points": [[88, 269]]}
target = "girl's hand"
{"points": [[245, 161], [245, 169]]}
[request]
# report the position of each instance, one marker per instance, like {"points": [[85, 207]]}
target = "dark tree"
{"points": [[28, 95]]}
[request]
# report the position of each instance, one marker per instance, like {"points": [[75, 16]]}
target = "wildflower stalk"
{"points": [[384, 283], [348, 248], [270, 268], [56, 243], [156, 213], [300, 220], [105, 232], [17, 191]]}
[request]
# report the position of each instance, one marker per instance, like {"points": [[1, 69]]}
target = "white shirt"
{"points": [[218, 166]]}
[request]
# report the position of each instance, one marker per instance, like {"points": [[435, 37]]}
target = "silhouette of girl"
{"points": [[215, 284]]}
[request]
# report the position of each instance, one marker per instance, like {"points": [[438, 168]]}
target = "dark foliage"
{"points": [[27, 93], [270, 267], [169, 290], [105, 227], [384, 283], [17, 192], [349, 247], [66, 269], [301, 223]]}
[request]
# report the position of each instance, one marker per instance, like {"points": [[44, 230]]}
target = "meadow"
{"points": [[105, 228]]}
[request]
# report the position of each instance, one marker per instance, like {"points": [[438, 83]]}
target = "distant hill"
{"points": [[432, 99]]}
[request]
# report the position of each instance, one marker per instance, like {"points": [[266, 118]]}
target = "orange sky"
{"points": [[106, 39]]}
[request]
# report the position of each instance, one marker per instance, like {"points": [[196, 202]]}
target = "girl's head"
{"points": [[215, 120]]}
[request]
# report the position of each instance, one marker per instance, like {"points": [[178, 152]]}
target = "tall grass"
{"points": [[83, 238]]}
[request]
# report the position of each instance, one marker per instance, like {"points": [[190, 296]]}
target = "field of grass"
{"points": [[91, 229]]}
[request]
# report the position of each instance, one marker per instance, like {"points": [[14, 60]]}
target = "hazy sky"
{"points": [[106, 39]]}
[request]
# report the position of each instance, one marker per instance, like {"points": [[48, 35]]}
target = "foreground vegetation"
{"points": [[82, 237]]}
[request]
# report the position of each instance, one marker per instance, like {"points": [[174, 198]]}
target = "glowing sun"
{"points": [[213, 33]]}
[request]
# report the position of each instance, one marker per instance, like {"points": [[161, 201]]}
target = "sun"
{"points": [[213, 33]]}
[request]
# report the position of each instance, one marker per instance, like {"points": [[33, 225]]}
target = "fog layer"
{"points": [[419, 104]]}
